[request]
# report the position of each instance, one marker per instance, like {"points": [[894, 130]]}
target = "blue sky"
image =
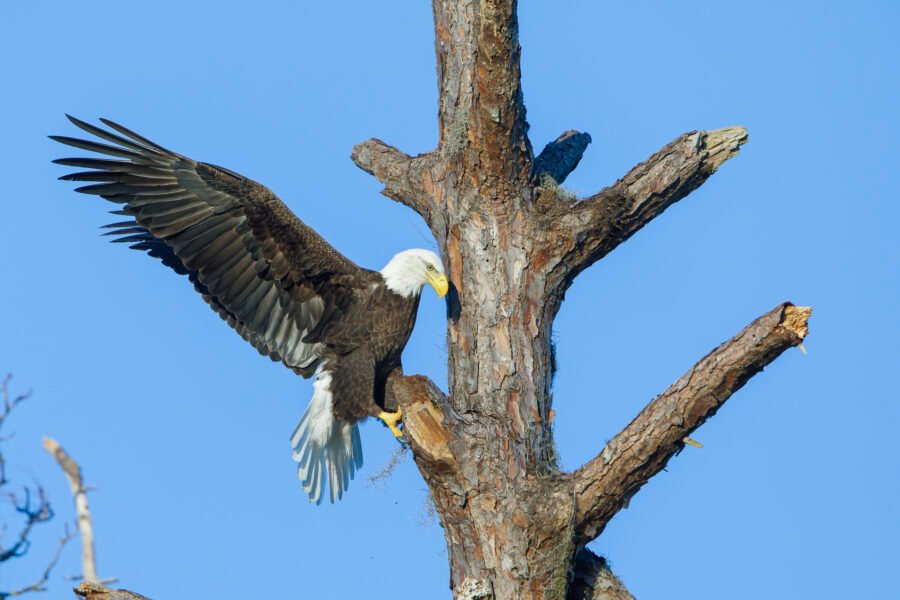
{"points": [[184, 429]]}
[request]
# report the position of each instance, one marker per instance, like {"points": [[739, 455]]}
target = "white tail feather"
{"points": [[324, 446]]}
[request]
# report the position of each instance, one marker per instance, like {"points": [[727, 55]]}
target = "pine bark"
{"points": [[512, 242]]}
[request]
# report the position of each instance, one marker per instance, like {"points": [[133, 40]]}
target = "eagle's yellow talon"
{"points": [[391, 420]]}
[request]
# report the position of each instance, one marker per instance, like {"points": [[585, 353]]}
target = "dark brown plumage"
{"points": [[273, 279]]}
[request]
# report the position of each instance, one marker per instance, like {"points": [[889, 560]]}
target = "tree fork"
{"points": [[515, 526]]}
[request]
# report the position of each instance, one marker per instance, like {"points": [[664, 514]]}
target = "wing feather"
{"points": [[266, 273]]}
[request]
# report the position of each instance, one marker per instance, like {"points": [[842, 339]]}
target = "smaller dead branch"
{"points": [[595, 226], [405, 178], [39, 513], [561, 156], [34, 505], [82, 511], [41, 584], [9, 403]]}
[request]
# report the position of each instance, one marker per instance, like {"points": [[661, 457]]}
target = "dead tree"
{"points": [[83, 519], [515, 526]]}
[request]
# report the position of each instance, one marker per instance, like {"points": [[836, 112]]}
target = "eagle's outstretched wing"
{"points": [[266, 273]]}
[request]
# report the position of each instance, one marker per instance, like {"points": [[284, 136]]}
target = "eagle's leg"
{"points": [[391, 420]]}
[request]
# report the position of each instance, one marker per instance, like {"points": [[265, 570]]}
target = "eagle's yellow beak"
{"points": [[439, 282]]}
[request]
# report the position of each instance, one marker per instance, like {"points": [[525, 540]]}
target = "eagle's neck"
{"points": [[403, 277]]}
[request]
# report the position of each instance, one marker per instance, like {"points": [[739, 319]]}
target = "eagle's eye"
{"points": [[430, 267]]}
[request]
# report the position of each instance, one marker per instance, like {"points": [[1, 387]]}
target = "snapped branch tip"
{"points": [[722, 144], [795, 320]]}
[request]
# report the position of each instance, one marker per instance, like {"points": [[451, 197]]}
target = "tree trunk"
{"points": [[512, 243]]}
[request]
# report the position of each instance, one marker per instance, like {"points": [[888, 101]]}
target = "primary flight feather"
{"points": [[277, 282]]}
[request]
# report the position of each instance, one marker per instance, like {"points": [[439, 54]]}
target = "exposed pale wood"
{"points": [[82, 511], [473, 589], [424, 420]]}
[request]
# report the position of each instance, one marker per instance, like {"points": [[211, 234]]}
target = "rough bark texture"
{"points": [[643, 448], [512, 244], [94, 591], [593, 580]]}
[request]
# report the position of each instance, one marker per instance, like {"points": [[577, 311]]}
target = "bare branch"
{"points": [[425, 409], [561, 156], [406, 179], [33, 516], [641, 450], [82, 511], [35, 512], [593, 580], [9, 403], [41, 584], [597, 225], [93, 591]]}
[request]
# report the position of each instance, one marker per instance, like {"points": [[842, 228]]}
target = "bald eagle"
{"points": [[279, 284]]}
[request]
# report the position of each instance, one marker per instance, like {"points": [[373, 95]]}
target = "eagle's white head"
{"points": [[408, 272]]}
